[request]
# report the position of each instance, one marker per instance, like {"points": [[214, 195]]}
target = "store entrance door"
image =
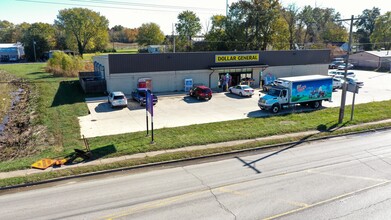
{"points": [[234, 78]]}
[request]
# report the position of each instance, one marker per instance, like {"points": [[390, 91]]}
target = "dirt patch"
{"points": [[20, 136]]}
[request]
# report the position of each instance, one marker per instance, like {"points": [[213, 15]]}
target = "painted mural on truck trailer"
{"points": [[312, 90]]}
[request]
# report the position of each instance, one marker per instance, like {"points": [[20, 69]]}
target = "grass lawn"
{"points": [[5, 95], [89, 56], [61, 101], [168, 138]]}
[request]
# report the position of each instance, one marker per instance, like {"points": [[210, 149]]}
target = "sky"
{"points": [[133, 13]]}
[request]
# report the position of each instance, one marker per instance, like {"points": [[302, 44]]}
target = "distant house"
{"points": [[372, 59], [156, 48], [11, 52], [338, 49]]}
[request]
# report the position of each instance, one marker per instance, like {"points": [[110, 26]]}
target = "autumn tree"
{"points": [[321, 25], [366, 25], [38, 39], [6, 31], [381, 35], [291, 16], [281, 38], [188, 26], [117, 34], [216, 37], [150, 34], [130, 34], [250, 25], [84, 27]]}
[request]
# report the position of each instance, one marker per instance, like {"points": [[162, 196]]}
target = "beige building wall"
{"points": [[297, 70], [364, 59], [169, 81]]}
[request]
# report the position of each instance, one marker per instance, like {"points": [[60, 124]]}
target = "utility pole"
{"points": [[344, 86], [35, 55], [226, 8], [173, 36]]}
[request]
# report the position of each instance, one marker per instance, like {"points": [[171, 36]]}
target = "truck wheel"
{"points": [[316, 104], [275, 108]]}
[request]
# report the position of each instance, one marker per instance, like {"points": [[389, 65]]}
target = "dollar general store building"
{"points": [[168, 71]]}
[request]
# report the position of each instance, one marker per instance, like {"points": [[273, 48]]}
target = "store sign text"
{"points": [[236, 58]]}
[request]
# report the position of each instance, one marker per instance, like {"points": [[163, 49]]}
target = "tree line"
{"points": [[249, 25]]}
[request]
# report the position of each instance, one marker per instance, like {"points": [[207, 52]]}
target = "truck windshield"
{"points": [[274, 92]]}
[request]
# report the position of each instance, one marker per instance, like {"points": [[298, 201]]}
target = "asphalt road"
{"points": [[180, 110], [341, 178]]}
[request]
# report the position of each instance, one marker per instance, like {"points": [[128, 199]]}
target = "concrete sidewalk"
{"points": [[20, 173]]}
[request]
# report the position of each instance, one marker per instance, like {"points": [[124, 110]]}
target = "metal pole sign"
{"points": [[354, 89], [149, 108], [146, 110]]}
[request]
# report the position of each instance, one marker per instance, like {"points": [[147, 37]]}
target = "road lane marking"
{"points": [[151, 205], [300, 204], [168, 201], [326, 201], [225, 190], [348, 176]]}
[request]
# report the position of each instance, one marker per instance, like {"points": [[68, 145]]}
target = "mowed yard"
{"points": [[60, 101]]}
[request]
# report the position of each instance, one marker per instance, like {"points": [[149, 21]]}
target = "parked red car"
{"points": [[201, 92]]}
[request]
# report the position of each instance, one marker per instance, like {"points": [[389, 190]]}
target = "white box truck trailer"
{"points": [[304, 90]]}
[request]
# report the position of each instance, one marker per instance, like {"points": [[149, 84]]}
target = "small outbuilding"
{"points": [[11, 52], [372, 59]]}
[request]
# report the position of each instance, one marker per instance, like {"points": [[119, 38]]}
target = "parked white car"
{"points": [[117, 99], [242, 90], [337, 83], [342, 66], [340, 74], [355, 81]]}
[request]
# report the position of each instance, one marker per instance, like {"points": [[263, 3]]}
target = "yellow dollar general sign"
{"points": [[236, 58]]}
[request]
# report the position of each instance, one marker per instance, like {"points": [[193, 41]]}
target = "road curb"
{"points": [[178, 161]]}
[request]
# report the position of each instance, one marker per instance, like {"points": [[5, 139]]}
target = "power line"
{"points": [[138, 7], [144, 5]]}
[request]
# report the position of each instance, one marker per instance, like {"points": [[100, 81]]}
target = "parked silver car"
{"points": [[117, 99]]}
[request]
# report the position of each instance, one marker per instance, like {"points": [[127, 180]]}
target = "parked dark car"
{"points": [[139, 95], [335, 64], [201, 92], [266, 88]]}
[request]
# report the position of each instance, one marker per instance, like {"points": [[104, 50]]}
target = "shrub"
{"points": [[65, 65]]}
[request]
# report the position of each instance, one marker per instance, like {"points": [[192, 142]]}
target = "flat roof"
{"points": [[301, 78], [163, 62], [381, 53]]}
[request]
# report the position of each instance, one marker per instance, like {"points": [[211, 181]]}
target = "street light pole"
{"points": [[35, 55], [344, 86], [226, 8], [173, 36]]}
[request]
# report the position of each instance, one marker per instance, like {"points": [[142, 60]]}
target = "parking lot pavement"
{"points": [[181, 110]]}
